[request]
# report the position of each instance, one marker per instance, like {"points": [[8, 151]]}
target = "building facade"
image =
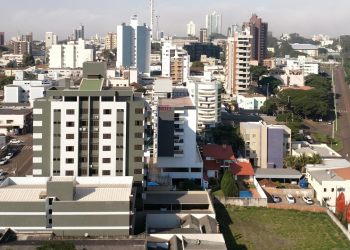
{"points": [[89, 130], [72, 55], [2, 38], [305, 65], [237, 67], [196, 50], [22, 47], [251, 101], [111, 41], [78, 33], [19, 118], [134, 46], [203, 34], [213, 24], [50, 39], [266, 145], [175, 63], [191, 29], [258, 41]]}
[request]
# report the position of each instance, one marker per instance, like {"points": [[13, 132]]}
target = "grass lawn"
{"points": [[218, 192], [267, 228], [323, 139]]}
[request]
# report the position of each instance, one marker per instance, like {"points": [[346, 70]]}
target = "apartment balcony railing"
{"points": [[178, 152], [206, 120], [207, 93], [178, 141], [179, 119], [206, 100], [206, 107], [179, 130]]}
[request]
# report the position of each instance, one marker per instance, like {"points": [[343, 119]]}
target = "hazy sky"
{"points": [[307, 17]]}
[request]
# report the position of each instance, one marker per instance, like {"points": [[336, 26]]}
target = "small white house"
{"points": [[253, 102]]}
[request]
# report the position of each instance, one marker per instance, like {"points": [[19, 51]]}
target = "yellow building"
{"points": [[111, 41]]}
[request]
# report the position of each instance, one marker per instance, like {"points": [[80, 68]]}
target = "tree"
{"points": [[228, 185], [28, 60], [345, 43], [315, 159], [188, 185], [197, 64], [218, 36], [10, 64], [9, 128], [37, 62], [322, 51], [303, 159], [318, 82], [141, 90], [57, 246], [291, 161], [3, 48], [227, 134], [108, 55], [156, 47], [273, 83], [269, 106], [258, 71]]}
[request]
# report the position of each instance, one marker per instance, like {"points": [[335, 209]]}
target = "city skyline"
{"points": [[273, 12]]}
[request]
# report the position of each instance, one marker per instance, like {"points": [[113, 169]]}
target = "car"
{"points": [[11, 154], [163, 208], [330, 122], [3, 161], [275, 198], [290, 198], [15, 141], [320, 119], [307, 200], [2, 177]]}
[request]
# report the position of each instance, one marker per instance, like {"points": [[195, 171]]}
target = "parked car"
{"points": [[3, 161], [11, 154], [2, 177], [309, 139], [307, 200], [15, 141], [290, 198], [320, 119], [275, 198], [330, 122]]}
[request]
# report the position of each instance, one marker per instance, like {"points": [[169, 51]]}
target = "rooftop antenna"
{"points": [[152, 18], [158, 27]]}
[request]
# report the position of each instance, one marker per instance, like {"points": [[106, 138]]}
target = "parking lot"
{"points": [[299, 201]]}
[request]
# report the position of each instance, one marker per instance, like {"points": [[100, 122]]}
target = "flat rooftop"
{"points": [[277, 173], [91, 84], [7, 111], [322, 175], [180, 197], [179, 101]]}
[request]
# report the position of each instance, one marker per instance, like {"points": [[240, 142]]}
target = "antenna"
{"points": [[152, 18], [158, 27]]}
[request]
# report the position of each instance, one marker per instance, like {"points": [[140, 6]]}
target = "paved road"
{"points": [[23, 161]]}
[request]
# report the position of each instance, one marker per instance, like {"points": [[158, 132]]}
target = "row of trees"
{"points": [[299, 162], [226, 133], [228, 185]]}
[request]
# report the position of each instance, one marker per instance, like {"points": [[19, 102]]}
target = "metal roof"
{"points": [[277, 173], [103, 194], [322, 175], [176, 198], [298, 46], [19, 194]]}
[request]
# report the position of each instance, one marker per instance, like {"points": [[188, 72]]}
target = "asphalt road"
{"points": [[23, 160]]}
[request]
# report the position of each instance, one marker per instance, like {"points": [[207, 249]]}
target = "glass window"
{"points": [[247, 137]]}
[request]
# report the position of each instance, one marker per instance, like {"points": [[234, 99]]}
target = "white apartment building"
{"points": [[175, 63], [177, 151], [15, 59], [205, 93], [251, 101], [55, 74], [134, 46], [191, 29], [213, 24], [320, 37], [50, 39], [306, 65], [19, 118], [237, 66], [24, 90], [72, 55]]}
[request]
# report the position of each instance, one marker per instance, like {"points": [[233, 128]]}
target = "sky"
{"points": [[306, 17]]}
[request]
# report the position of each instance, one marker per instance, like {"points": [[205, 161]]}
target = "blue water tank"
{"points": [[303, 183]]}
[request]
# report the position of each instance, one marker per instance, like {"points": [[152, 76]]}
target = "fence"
{"points": [[296, 207], [294, 192], [259, 189], [338, 223], [237, 201]]}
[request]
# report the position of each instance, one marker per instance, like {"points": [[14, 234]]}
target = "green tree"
{"points": [[291, 161], [37, 62], [218, 36], [197, 64], [189, 185], [269, 106], [156, 47], [10, 64], [303, 159], [141, 90], [229, 186], [315, 159], [345, 43], [272, 82], [289, 117], [28, 60], [322, 51], [9, 128], [108, 55], [318, 82], [225, 179], [3, 48], [61, 245], [227, 134], [258, 71]]}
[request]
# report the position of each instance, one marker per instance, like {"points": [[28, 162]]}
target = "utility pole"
{"points": [[158, 28]]}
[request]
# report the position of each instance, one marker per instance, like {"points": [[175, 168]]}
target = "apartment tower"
{"points": [[191, 29], [203, 35], [213, 24], [2, 38], [111, 41]]}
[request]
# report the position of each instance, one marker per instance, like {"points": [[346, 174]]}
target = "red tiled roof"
{"points": [[343, 173], [205, 177], [218, 152], [242, 168], [211, 165], [136, 85]]}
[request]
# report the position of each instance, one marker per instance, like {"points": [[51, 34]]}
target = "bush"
{"points": [[212, 181], [278, 184], [188, 185]]}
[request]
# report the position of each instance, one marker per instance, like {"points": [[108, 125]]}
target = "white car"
{"points": [[276, 198], [15, 141], [2, 177], [3, 161], [307, 200], [290, 199]]}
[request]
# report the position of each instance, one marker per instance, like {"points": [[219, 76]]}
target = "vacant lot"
{"points": [[267, 228]]}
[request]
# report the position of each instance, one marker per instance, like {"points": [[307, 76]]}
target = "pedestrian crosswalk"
{"points": [[27, 148]]}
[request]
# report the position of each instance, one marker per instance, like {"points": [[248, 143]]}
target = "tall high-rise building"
{"points": [[78, 32], [213, 24], [134, 46], [203, 34], [89, 130], [259, 32], [111, 41], [2, 38], [237, 65], [50, 39], [191, 29], [22, 47]]}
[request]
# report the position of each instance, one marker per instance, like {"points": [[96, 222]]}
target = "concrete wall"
{"points": [[294, 192], [296, 207], [236, 201], [338, 223]]}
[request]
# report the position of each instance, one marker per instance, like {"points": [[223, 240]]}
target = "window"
{"points": [[57, 159], [95, 135], [137, 171], [120, 122], [95, 147], [138, 123], [83, 159], [286, 135], [325, 190], [106, 160], [106, 172], [119, 171], [94, 159], [69, 173], [69, 148], [247, 137], [84, 147], [247, 152], [84, 135], [69, 160], [70, 98], [107, 136], [95, 111], [118, 159], [254, 151], [70, 124], [56, 147], [120, 134], [120, 146], [84, 111], [95, 123], [56, 110], [138, 147], [332, 189], [120, 110], [69, 136], [138, 135], [254, 135], [107, 99], [56, 122], [106, 148], [70, 111], [83, 123], [138, 111], [247, 143], [84, 172], [107, 124], [107, 111], [254, 143], [137, 159]]}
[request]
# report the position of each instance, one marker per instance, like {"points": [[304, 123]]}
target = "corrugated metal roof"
{"points": [[62, 178], [176, 198], [298, 46], [102, 194], [19, 194], [279, 173]]}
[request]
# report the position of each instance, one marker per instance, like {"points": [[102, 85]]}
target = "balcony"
{"points": [[207, 114], [178, 142], [206, 107], [206, 120], [207, 93], [178, 131], [179, 120], [178, 153], [206, 100]]}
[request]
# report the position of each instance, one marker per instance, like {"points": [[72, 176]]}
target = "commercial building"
{"points": [[177, 153], [266, 145], [310, 49], [203, 35], [213, 24], [320, 37], [71, 55], [251, 101], [306, 65], [191, 29], [237, 67], [175, 63], [15, 59], [22, 47], [196, 50], [26, 90], [258, 41], [89, 130], [134, 46], [269, 63], [50, 39], [78, 33], [21, 120], [2, 38], [68, 206], [111, 41], [205, 93], [289, 77]]}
